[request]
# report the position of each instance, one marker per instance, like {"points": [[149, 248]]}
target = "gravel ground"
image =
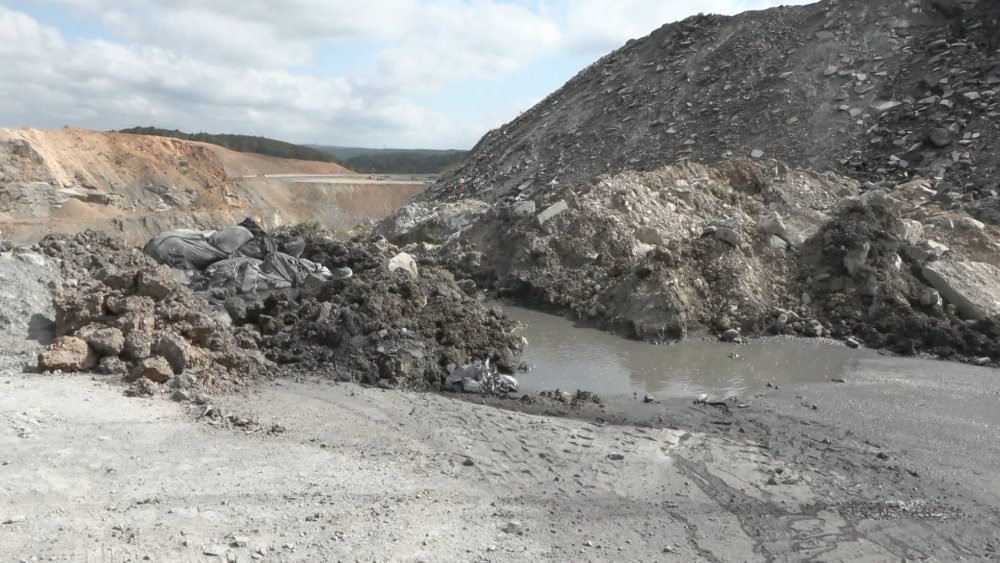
{"points": [[314, 471]]}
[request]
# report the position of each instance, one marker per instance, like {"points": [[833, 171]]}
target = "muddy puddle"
{"points": [[566, 356]]}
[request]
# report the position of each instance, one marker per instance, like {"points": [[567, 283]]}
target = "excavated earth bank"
{"points": [[738, 249]]}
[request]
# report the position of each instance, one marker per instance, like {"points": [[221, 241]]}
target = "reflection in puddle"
{"points": [[563, 355]]}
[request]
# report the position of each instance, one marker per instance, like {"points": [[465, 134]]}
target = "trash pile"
{"points": [[480, 377], [237, 260], [123, 314]]}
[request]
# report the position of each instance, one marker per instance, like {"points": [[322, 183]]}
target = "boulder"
{"points": [[31, 258], [973, 287], [777, 243], [551, 211], [910, 231], [77, 309], [176, 351], [772, 224], [67, 353], [936, 249], [106, 341], [854, 259], [524, 209], [154, 369], [156, 283], [939, 137], [728, 236], [405, 262]]}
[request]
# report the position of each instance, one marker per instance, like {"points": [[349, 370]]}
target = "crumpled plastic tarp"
{"points": [[239, 259], [479, 377], [185, 249]]}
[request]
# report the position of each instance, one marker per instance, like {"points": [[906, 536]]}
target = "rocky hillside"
{"points": [[70, 180], [820, 170], [735, 249], [879, 91]]}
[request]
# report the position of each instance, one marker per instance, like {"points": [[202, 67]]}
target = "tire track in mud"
{"points": [[765, 523], [921, 528]]}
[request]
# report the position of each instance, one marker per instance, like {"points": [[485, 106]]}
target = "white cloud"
{"points": [[254, 66], [451, 39], [599, 26]]}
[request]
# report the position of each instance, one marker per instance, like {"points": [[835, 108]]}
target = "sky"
{"points": [[379, 73]]}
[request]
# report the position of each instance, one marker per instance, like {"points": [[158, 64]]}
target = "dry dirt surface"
{"points": [[70, 180], [356, 474]]}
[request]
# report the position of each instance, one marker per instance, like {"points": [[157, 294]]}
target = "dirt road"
{"points": [[363, 474]]}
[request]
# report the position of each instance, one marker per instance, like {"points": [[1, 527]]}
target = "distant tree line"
{"points": [[364, 161], [243, 143], [404, 162]]}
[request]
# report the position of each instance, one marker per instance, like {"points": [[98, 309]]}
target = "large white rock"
{"points": [[772, 224], [973, 287], [551, 211], [405, 262], [855, 259], [910, 231]]}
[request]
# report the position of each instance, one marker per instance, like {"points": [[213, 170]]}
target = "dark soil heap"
{"points": [[380, 327], [880, 90], [127, 315]]}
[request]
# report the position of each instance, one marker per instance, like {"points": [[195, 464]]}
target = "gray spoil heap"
{"points": [[881, 91]]}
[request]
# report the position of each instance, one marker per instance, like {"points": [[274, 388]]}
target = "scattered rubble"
{"points": [[125, 315]]}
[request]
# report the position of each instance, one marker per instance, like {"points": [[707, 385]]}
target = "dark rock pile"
{"points": [[391, 323], [399, 327], [878, 91]]}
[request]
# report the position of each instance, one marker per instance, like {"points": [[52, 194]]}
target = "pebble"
{"points": [[13, 519], [615, 456], [214, 550], [513, 527], [648, 398]]}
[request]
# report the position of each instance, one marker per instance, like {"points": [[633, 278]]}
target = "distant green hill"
{"points": [[394, 161], [243, 143]]}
